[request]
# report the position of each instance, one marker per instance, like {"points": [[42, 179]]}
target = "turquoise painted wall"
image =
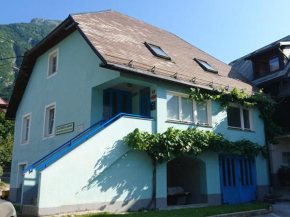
{"points": [[71, 89], [219, 125], [102, 170]]}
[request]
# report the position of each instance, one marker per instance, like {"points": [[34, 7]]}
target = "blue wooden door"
{"points": [[115, 102], [237, 179], [145, 102]]}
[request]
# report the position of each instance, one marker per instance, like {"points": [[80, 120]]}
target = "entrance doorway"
{"points": [[115, 102], [237, 178], [145, 102], [185, 179]]}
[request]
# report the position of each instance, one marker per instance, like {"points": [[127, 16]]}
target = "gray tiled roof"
{"points": [[120, 39]]}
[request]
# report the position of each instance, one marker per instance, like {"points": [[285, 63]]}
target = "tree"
{"points": [[6, 139]]}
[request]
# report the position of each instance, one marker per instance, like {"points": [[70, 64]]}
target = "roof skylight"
{"points": [[206, 66], [157, 51]]}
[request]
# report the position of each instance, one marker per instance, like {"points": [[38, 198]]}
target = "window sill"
{"points": [[240, 129], [24, 143], [48, 136], [188, 123], [51, 75]]}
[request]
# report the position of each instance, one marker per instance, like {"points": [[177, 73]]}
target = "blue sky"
{"points": [[226, 29]]}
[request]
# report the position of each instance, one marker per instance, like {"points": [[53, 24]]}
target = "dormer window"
{"points": [[157, 51], [206, 66], [274, 64]]}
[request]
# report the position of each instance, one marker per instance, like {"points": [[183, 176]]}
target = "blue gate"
{"points": [[237, 178]]}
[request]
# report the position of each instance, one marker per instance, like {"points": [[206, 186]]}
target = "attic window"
{"points": [[157, 51], [207, 67]]}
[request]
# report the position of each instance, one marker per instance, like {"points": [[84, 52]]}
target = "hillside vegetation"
{"points": [[15, 40]]}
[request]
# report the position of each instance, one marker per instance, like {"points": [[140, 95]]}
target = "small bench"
{"points": [[177, 195]]}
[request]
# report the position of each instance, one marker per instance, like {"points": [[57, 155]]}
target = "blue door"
{"points": [[145, 102], [237, 179], [115, 102]]}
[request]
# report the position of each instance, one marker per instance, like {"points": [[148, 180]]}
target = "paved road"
{"points": [[281, 209]]}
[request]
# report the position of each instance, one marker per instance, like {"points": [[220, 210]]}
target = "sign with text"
{"points": [[66, 128]]}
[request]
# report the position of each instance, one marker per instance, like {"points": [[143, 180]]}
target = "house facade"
{"points": [[269, 68], [102, 75]]}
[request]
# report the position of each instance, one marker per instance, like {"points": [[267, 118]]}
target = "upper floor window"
{"points": [[25, 131], [157, 51], [239, 117], [274, 64], [52, 63], [49, 120], [180, 108]]}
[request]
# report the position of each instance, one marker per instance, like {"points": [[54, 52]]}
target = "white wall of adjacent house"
{"points": [[280, 155], [286, 51]]}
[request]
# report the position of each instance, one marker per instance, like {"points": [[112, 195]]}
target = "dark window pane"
{"points": [[229, 172], [233, 172], [107, 105], [246, 119], [158, 50], [27, 129], [242, 172], [234, 119], [51, 121], [274, 64], [115, 103], [250, 171], [54, 60], [145, 92], [206, 65], [224, 172], [246, 171], [124, 103]]}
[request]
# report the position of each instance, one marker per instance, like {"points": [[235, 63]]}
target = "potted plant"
{"points": [[284, 175]]}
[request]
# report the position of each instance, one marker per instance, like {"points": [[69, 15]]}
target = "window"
{"points": [[180, 108], [52, 63], [49, 121], [26, 120], [157, 51], [206, 66], [286, 157], [274, 64], [239, 117]]}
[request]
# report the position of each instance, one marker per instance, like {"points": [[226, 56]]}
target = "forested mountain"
{"points": [[15, 40]]}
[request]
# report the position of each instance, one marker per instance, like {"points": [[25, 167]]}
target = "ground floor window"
{"points": [[239, 117], [180, 108], [49, 120]]}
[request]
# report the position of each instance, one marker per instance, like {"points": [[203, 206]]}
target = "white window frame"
{"points": [[194, 109], [46, 121], [49, 65], [24, 117], [242, 117]]}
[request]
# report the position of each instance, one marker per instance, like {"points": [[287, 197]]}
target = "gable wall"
{"points": [[71, 88]]}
